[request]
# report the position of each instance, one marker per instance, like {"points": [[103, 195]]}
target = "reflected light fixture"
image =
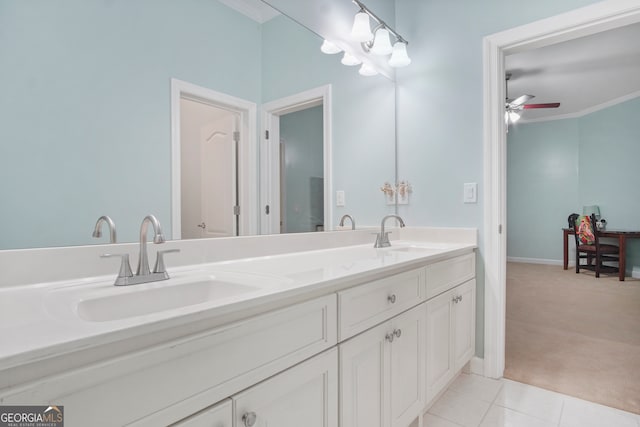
{"points": [[399, 57], [367, 70], [361, 31], [329, 48], [381, 43], [350, 60]]}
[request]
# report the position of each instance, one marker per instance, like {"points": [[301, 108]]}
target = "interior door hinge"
{"points": [[236, 136], [499, 228], [236, 210], [266, 210], [266, 134]]}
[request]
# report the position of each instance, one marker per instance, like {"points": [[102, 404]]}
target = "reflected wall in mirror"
{"points": [[85, 113]]}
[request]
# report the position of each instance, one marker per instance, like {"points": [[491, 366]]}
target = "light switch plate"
{"points": [[471, 192], [340, 198]]}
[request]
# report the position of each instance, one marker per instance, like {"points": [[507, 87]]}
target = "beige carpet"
{"points": [[574, 334]]}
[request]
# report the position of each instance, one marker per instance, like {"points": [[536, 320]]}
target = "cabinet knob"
{"points": [[390, 336], [460, 298], [455, 299], [249, 419], [392, 298], [397, 333]]}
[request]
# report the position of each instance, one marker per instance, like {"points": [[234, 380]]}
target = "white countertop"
{"points": [[42, 321]]}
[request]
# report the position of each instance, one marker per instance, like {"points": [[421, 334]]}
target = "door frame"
{"points": [[578, 23], [247, 152], [270, 158]]}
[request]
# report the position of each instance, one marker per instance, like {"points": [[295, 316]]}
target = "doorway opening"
{"points": [[568, 26], [296, 163], [214, 163]]}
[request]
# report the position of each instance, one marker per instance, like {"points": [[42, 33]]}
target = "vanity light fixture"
{"points": [[329, 48], [367, 70], [381, 43], [350, 60], [361, 31]]}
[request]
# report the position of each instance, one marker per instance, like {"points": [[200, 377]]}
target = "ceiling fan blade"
{"points": [[549, 105], [521, 100]]}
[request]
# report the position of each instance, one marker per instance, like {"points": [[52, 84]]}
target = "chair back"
{"points": [[584, 228]]}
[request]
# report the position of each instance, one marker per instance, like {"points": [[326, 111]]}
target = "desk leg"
{"points": [[622, 242], [565, 235]]}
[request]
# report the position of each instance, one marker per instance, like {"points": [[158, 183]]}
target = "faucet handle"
{"points": [[160, 267], [125, 267]]}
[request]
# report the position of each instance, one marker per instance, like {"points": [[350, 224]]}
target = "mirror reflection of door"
{"points": [[208, 170], [301, 171]]}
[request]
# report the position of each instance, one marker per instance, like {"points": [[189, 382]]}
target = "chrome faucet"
{"points": [[353, 221], [382, 238], [97, 230], [143, 273]]}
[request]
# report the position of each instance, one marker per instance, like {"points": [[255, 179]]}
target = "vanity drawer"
{"points": [[165, 384], [220, 415], [367, 305], [444, 275]]}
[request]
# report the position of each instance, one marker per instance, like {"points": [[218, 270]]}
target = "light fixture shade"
{"points": [[348, 59], [361, 31], [593, 209], [329, 48], [381, 43], [399, 57], [514, 116], [367, 70]]}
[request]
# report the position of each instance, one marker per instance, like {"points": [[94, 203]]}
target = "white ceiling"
{"points": [[584, 74], [254, 9]]}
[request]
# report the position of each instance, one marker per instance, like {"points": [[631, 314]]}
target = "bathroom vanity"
{"points": [[339, 334]]}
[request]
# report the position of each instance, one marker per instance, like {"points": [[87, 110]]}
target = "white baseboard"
{"points": [[537, 261], [635, 273], [475, 366]]}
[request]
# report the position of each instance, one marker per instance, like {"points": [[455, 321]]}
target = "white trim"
{"points": [[247, 150], [537, 261], [635, 272], [269, 159], [586, 111], [588, 20]]}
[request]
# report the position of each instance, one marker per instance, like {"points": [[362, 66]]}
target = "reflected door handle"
{"points": [[203, 225]]}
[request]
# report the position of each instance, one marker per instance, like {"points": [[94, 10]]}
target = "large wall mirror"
{"points": [[85, 116]]}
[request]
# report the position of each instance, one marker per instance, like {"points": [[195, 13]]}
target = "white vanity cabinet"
{"points": [[220, 415], [305, 395], [382, 373], [450, 337]]}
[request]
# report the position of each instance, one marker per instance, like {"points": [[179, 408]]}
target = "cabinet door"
{"points": [[439, 343], [407, 364], [464, 324], [364, 379], [220, 415], [305, 395]]}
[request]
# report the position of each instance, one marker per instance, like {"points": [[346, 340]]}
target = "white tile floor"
{"points": [[475, 401]]}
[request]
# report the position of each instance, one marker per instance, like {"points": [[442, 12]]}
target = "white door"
{"points": [[218, 177], [464, 324], [408, 366], [439, 345], [305, 395], [364, 379]]}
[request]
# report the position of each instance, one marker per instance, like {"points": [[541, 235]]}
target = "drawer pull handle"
{"points": [[389, 337], [455, 299], [397, 333], [392, 298], [249, 419], [460, 298]]}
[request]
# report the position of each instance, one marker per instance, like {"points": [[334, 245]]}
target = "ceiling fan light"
{"points": [[329, 48], [399, 57], [350, 60], [367, 70], [361, 30], [381, 43]]}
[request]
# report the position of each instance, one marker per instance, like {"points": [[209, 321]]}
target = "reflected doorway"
{"points": [[296, 163], [209, 170]]}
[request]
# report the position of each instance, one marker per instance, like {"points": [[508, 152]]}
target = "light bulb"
{"points": [[348, 59], [329, 48], [367, 70], [381, 43], [361, 31], [514, 116], [399, 57]]}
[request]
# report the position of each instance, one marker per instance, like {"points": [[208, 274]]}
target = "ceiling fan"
{"points": [[515, 107]]}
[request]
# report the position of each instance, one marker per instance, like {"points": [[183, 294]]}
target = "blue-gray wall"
{"points": [[302, 136], [557, 167], [440, 107]]}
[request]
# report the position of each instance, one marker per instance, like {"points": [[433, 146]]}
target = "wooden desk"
{"points": [[621, 235]]}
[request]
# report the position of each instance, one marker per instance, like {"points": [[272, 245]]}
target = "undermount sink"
{"points": [[161, 297]]}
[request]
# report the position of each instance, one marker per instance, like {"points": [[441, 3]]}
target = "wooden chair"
{"points": [[588, 246]]}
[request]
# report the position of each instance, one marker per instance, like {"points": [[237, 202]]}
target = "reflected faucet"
{"points": [[353, 221], [97, 230], [382, 238]]}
